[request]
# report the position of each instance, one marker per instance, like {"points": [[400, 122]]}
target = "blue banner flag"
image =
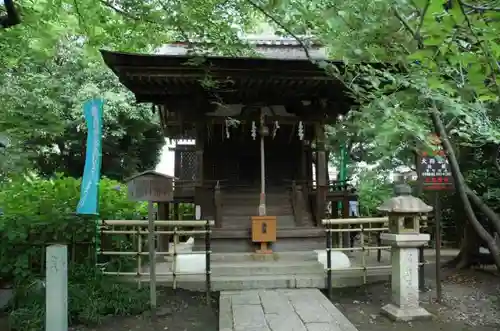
{"points": [[89, 192]]}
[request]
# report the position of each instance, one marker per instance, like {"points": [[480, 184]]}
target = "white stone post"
{"points": [[404, 283], [404, 237], [56, 288]]}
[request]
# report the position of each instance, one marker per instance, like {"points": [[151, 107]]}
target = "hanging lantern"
{"points": [[275, 129], [264, 131], [254, 130], [300, 132], [227, 129]]}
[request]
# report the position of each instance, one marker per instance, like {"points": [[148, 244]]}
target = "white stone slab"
{"points": [[275, 302], [310, 311], [319, 327], [338, 260], [246, 298], [190, 263], [281, 310], [248, 316], [285, 322]]}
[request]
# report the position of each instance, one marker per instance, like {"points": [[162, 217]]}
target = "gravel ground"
{"points": [[471, 301]]}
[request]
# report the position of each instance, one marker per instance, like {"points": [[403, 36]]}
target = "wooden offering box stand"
{"points": [[264, 232]]}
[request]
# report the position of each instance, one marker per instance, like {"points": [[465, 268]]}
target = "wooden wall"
{"points": [[237, 158]]}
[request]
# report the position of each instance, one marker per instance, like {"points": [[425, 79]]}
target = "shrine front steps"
{"points": [[244, 222], [289, 239], [238, 271]]}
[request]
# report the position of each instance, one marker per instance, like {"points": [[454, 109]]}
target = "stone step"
{"points": [[245, 222], [248, 201], [221, 283], [255, 194], [254, 203], [254, 212], [262, 268], [256, 199], [246, 226], [248, 206], [268, 282], [301, 256]]}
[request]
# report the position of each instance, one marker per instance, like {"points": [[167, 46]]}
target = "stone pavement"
{"points": [[280, 310]]}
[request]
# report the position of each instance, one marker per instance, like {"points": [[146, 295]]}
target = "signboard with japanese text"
{"points": [[150, 186], [435, 171]]}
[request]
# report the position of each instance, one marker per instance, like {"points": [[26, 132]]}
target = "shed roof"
{"points": [[148, 172]]}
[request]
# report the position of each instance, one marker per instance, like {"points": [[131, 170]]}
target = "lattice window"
{"points": [[188, 165]]}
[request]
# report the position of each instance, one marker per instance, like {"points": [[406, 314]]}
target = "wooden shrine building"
{"points": [[227, 105]]}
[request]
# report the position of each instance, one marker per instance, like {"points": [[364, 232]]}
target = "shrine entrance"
{"points": [[235, 159], [288, 101]]}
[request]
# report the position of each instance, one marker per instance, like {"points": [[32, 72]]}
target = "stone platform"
{"points": [[245, 271], [280, 310]]}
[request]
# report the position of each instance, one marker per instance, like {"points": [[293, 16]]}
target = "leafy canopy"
{"points": [[445, 52]]}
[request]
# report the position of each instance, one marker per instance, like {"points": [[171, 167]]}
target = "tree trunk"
{"points": [[461, 188], [469, 249], [490, 214]]}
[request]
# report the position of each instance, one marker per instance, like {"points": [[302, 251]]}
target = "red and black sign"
{"points": [[435, 171]]}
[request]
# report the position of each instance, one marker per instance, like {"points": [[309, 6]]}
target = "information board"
{"points": [[434, 171]]}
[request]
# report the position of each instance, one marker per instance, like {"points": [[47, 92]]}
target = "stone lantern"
{"points": [[404, 237]]}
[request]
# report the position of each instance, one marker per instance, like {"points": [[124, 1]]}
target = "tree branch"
{"points": [[281, 25], [490, 214], [451, 124], [177, 25], [12, 18], [405, 24], [81, 20], [125, 14], [306, 49], [496, 159], [461, 186], [484, 47], [480, 8], [421, 23]]}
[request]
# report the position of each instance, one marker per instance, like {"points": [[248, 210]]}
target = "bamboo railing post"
{"points": [[363, 250], [328, 229], [208, 271], [174, 260], [139, 257]]}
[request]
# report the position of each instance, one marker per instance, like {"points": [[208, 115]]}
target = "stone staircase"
{"points": [[236, 271], [240, 271], [239, 205]]}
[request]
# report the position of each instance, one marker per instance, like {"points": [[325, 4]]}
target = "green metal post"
{"points": [[342, 171]]}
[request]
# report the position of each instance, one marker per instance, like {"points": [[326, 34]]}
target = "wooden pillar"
{"points": [[199, 190], [176, 211], [309, 171], [217, 206], [303, 162], [200, 144], [321, 172], [163, 215]]}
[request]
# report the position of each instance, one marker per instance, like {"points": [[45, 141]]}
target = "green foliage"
{"points": [[374, 188], [92, 297], [43, 117], [38, 212]]}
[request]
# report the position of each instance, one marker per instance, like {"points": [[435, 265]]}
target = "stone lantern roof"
{"points": [[404, 202]]}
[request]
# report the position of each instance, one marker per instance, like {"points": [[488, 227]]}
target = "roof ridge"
{"points": [[264, 40]]}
